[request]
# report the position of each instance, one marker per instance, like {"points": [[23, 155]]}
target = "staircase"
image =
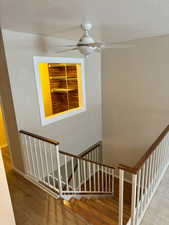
{"points": [[95, 191], [102, 209], [98, 211]]}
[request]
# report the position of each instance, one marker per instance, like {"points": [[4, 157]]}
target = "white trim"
{"points": [[52, 119], [79, 196]]}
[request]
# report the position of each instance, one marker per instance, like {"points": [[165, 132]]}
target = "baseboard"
{"points": [[53, 194], [67, 197]]}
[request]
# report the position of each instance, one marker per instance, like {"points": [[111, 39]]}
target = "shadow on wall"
{"points": [[42, 44]]}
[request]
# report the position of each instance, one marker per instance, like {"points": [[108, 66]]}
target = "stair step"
{"points": [[107, 206], [86, 214], [113, 203], [68, 217], [98, 211], [102, 209], [95, 212]]}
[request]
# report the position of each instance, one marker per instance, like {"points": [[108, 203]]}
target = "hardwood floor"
{"points": [[33, 206], [98, 211]]}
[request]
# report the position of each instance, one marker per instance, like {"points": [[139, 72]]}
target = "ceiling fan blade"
{"points": [[65, 46], [99, 44], [67, 50], [94, 44], [118, 45]]}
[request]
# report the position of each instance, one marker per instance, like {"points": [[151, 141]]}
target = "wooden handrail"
{"points": [[134, 169], [51, 141], [147, 154], [90, 149], [87, 160]]}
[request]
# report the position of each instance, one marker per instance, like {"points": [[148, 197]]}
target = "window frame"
{"points": [[55, 117]]}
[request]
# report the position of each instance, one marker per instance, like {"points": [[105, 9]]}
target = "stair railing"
{"points": [[146, 176], [46, 164], [90, 177], [93, 153], [40, 159]]}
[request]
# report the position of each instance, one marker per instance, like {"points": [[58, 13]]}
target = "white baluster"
{"points": [[142, 188], [36, 158], [46, 160], [97, 158], [41, 160], [52, 164], [98, 177], [95, 155], [102, 174], [109, 172], [31, 157], [159, 161], [73, 175], [121, 193], [79, 175], [28, 156], [150, 178], [112, 182], [58, 169], [156, 165], [153, 170], [66, 174], [146, 181], [90, 177], [138, 196], [84, 171], [105, 173], [94, 176], [133, 199]]}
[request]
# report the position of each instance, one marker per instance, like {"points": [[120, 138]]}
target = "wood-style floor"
{"points": [[33, 206]]}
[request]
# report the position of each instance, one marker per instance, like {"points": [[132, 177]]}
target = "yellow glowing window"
{"points": [[61, 86]]}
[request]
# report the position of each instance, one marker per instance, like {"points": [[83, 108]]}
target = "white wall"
{"points": [[76, 133], [6, 210], [135, 98]]}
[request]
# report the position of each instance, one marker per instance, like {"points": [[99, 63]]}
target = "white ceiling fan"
{"points": [[87, 45]]}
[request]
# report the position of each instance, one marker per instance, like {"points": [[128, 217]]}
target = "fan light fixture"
{"points": [[86, 45]]}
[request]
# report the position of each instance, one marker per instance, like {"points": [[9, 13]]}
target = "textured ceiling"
{"points": [[114, 20]]}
